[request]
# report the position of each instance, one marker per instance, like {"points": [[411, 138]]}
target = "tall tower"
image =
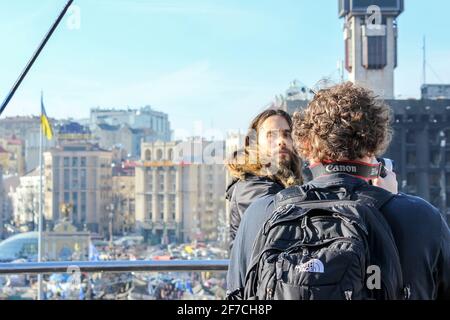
{"points": [[370, 34]]}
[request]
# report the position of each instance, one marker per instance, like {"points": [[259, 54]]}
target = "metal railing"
{"points": [[114, 266]]}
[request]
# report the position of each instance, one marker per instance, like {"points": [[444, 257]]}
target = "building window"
{"points": [[447, 158], [159, 155], [435, 158], [447, 179], [56, 178], [161, 182], [75, 178], [83, 161], [425, 118], [411, 179], [410, 118], [437, 118], [83, 205], [411, 158], [75, 197], [56, 161], [434, 179], [410, 136], [66, 179], [149, 207], [83, 178], [148, 155], [170, 154], [149, 201], [66, 197], [74, 162], [66, 162]]}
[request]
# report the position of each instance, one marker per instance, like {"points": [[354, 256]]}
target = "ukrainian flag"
{"points": [[46, 127]]}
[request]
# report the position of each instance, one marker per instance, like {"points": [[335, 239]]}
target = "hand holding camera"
{"points": [[387, 179]]}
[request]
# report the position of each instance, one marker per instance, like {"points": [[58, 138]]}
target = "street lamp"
{"points": [[110, 208], [164, 240]]}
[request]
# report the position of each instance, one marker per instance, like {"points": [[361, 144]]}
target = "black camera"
{"points": [[387, 164]]}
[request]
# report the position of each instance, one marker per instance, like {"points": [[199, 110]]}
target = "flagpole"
{"points": [[41, 136]]}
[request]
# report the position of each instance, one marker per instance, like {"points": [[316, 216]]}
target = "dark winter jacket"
{"points": [[242, 193]]}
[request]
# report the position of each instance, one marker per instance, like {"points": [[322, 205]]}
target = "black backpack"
{"points": [[326, 244]]}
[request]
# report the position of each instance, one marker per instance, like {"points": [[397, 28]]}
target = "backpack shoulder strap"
{"points": [[290, 195], [365, 193], [372, 195]]}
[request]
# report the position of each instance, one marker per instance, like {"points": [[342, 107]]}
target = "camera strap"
{"points": [[358, 169]]}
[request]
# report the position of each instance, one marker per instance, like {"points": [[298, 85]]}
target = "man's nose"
{"points": [[281, 141]]}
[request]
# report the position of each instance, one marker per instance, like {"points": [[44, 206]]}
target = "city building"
{"points": [[27, 129], [179, 197], [421, 149], [123, 198], [79, 173], [9, 186], [435, 91], [16, 160], [26, 200], [155, 124], [122, 136], [4, 158]]}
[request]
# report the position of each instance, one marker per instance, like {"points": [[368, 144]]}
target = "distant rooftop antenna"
{"points": [[424, 62]]}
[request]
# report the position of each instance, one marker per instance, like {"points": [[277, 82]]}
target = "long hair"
{"points": [[248, 161]]}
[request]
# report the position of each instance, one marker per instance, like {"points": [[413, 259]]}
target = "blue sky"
{"points": [[216, 61]]}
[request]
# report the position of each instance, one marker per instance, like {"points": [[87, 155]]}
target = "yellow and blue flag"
{"points": [[46, 127]]}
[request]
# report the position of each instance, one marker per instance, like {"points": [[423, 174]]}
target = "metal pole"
{"points": [[115, 266], [424, 62], [41, 135], [110, 232], [34, 57]]}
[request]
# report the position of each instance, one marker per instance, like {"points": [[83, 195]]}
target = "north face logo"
{"points": [[311, 266]]}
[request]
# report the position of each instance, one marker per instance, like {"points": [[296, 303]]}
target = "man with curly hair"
{"points": [[346, 123]]}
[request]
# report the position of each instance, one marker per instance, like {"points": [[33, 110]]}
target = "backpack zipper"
{"points": [[269, 294]]}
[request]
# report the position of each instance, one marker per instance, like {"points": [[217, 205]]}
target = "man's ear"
{"points": [[304, 146]]}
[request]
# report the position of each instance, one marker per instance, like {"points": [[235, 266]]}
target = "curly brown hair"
{"points": [[344, 122]]}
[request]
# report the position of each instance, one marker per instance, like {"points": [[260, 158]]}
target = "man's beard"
{"points": [[276, 164]]}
